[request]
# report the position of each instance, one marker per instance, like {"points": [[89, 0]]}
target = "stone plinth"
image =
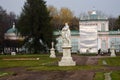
{"points": [[13, 53], [113, 53], [52, 53], [67, 59]]}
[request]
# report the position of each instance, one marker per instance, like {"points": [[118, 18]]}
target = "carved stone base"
{"points": [[67, 59], [13, 53], [113, 53], [52, 53]]}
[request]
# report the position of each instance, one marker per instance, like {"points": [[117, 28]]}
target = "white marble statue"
{"points": [[113, 51], [52, 51], [66, 35]]}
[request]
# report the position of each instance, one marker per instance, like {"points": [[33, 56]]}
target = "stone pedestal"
{"points": [[52, 53], [113, 53], [67, 59], [13, 53]]}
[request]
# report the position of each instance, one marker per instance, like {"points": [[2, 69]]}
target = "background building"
{"points": [[12, 40], [93, 34], [90, 26]]}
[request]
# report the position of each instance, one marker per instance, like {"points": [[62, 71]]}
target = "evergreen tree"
{"points": [[34, 24]]}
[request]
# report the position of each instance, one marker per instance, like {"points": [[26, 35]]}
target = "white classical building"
{"points": [[93, 35]]}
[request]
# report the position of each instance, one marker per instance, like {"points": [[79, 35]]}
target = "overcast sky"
{"points": [[108, 7]]}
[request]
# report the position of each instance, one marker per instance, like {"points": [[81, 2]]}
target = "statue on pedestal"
{"points": [[52, 51], [113, 51], [66, 38]]}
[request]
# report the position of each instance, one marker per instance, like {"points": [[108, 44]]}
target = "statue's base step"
{"points": [[66, 61]]}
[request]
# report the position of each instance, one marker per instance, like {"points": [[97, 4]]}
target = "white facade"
{"points": [[88, 37]]}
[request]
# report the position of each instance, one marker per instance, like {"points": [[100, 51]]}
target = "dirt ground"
{"points": [[23, 74]]}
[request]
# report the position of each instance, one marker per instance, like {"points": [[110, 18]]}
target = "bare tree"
{"points": [[59, 17]]}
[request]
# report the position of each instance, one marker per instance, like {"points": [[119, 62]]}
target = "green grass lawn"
{"points": [[65, 68], [43, 59], [46, 63], [99, 76], [24, 56], [111, 61], [115, 75], [5, 74]]}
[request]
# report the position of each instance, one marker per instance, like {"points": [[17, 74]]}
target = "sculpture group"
{"points": [[66, 35]]}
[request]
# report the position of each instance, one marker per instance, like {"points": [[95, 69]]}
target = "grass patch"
{"points": [[115, 75], [99, 76], [64, 68], [2, 74], [44, 63], [25, 63], [111, 61], [49, 64], [24, 56]]}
